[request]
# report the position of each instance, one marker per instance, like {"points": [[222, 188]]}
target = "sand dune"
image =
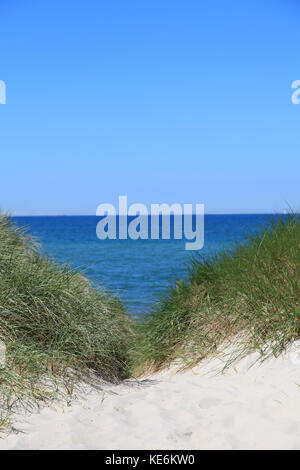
{"points": [[250, 406]]}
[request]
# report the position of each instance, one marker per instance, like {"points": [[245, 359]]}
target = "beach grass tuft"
{"points": [[251, 292], [54, 324]]}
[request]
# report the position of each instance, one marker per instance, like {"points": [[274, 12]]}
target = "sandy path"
{"points": [[244, 408]]}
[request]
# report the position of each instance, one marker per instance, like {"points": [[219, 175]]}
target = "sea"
{"points": [[136, 271]]}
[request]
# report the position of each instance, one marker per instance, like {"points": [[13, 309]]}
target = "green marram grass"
{"points": [[251, 292], [53, 321]]}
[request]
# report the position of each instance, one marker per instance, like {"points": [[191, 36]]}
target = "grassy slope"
{"points": [[51, 319], [253, 289]]}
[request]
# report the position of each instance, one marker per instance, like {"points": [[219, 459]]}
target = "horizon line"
{"points": [[95, 215]]}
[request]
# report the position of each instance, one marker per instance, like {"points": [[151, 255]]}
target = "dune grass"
{"points": [[53, 321], [251, 292]]}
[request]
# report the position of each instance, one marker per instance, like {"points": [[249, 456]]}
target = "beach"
{"points": [[149, 226], [249, 405]]}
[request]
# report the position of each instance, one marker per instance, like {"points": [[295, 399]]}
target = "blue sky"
{"points": [[160, 100]]}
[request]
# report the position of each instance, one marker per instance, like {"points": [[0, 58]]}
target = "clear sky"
{"points": [[160, 100]]}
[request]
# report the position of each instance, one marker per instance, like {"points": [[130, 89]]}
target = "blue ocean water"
{"points": [[136, 271]]}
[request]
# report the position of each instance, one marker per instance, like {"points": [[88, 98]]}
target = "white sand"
{"points": [[243, 408]]}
